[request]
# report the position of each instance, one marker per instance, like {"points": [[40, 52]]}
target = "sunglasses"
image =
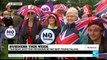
{"points": [[30, 13]]}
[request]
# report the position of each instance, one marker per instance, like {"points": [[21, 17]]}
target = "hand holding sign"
{"points": [[11, 27], [37, 36]]}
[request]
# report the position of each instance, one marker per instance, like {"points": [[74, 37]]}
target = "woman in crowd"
{"points": [[69, 28], [69, 35], [52, 23], [8, 22], [60, 10], [29, 29]]}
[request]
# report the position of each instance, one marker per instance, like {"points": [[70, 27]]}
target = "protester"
{"points": [[29, 29], [95, 34], [60, 10], [53, 24], [16, 18], [69, 35], [8, 22], [62, 22], [69, 28]]}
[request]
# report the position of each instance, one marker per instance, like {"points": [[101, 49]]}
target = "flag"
{"points": [[64, 38], [102, 10], [60, 7], [101, 5], [105, 25], [97, 4], [24, 9], [68, 35], [82, 25], [87, 9], [102, 14]]}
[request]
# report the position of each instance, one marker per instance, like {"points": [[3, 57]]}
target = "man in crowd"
{"points": [[95, 33]]}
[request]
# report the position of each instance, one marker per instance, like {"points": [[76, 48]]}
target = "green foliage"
{"points": [[38, 2], [79, 3]]}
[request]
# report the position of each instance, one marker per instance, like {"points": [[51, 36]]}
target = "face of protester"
{"points": [[31, 15], [60, 12], [95, 32], [71, 18], [51, 20]]}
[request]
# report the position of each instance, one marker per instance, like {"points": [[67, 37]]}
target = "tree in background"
{"points": [[38, 2]]}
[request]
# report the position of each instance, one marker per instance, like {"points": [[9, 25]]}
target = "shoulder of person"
{"points": [[59, 28], [105, 41]]}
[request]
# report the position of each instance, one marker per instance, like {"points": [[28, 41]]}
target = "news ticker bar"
{"points": [[51, 55], [53, 49], [50, 52]]}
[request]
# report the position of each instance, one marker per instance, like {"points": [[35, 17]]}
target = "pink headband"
{"points": [[96, 26], [31, 11], [53, 16]]}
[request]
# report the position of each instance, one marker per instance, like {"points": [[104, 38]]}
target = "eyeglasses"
{"points": [[30, 13]]}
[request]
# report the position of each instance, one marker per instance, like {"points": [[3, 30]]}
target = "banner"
{"points": [[53, 50]]}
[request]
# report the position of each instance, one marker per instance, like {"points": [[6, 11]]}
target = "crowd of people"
{"points": [[62, 22]]}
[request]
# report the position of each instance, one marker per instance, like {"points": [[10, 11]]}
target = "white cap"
{"points": [[73, 11]]}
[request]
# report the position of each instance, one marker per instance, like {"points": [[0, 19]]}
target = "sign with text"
{"points": [[53, 50], [9, 33], [47, 36], [48, 7]]}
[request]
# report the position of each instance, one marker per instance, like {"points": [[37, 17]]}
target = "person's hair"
{"points": [[57, 22], [54, 16], [96, 22]]}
